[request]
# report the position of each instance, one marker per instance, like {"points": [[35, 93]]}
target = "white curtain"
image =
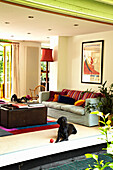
{"points": [[15, 70]]}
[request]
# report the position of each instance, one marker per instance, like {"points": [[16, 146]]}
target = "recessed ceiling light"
{"points": [[76, 25], [28, 33], [49, 29], [30, 16], [7, 22]]}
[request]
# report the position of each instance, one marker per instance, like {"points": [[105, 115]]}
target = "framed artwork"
{"points": [[92, 62]]}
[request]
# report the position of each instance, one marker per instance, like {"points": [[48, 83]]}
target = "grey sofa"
{"points": [[75, 114]]}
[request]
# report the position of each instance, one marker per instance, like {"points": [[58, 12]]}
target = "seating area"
{"points": [[56, 59], [71, 104]]}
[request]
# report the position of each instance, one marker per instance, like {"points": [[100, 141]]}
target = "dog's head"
{"points": [[62, 121], [14, 97]]}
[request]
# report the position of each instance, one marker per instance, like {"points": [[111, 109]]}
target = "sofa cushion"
{"points": [[79, 102], [65, 90], [54, 105], [65, 99], [65, 107], [74, 109], [56, 98], [52, 93], [88, 95], [75, 94]]}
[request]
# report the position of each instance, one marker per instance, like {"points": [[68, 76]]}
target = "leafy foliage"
{"points": [[1, 64], [87, 91], [43, 66], [105, 103], [104, 100], [100, 165]]}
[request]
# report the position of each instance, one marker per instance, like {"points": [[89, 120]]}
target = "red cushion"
{"points": [[88, 95], [65, 90], [75, 94]]}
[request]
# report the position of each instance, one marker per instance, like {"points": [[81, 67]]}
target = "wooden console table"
{"points": [[17, 117]]}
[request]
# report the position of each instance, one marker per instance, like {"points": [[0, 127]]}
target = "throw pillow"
{"points": [[52, 93], [66, 100], [88, 95], [79, 102], [56, 98], [75, 94], [65, 90]]}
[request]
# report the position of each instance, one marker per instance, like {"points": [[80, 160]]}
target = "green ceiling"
{"points": [[106, 1], [100, 10]]}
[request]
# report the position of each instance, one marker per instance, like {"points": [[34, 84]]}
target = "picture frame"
{"points": [[92, 62]]}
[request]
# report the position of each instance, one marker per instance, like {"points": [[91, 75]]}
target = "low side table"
{"points": [[17, 117]]}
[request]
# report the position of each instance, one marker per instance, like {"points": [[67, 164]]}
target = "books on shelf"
{"points": [[20, 105]]}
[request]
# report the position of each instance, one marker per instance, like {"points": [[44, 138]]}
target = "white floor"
{"points": [[22, 147]]}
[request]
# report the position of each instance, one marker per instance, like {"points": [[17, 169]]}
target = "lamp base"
{"points": [[47, 84]]}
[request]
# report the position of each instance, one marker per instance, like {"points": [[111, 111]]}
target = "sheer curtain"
{"points": [[15, 70]]}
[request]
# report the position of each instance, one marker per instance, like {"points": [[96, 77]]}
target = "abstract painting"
{"points": [[92, 62]]}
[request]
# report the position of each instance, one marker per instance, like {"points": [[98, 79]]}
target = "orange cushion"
{"points": [[79, 102], [56, 98]]}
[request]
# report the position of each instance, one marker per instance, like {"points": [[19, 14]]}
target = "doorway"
{"points": [[5, 70]]}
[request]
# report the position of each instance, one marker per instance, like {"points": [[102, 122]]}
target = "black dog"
{"points": [[15, 99], [65, 129]]}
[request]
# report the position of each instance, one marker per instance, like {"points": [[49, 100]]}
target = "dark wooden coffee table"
{"points": [[17, 117]]}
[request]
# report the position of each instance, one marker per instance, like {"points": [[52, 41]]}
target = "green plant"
{"points": [[1, 63], [91, 107], [100, 165], [43, 66], [105, 102], [87, 91]]}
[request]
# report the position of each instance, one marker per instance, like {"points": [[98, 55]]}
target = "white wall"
{"points": [[53, 75], [32, 68], [70, 67], [27, 81], [58, 68], [65, 71], [62, 62]]}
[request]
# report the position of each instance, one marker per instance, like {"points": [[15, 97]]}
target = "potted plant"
{"points": [[104, 101]]}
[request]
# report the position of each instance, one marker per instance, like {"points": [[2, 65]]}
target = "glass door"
{"points": [[1, 70], [5, 70]]}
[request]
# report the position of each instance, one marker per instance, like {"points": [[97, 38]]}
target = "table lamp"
{"points": [[47, 56]]}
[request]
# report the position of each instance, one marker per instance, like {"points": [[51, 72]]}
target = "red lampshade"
{"points": [[46, 55]]}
